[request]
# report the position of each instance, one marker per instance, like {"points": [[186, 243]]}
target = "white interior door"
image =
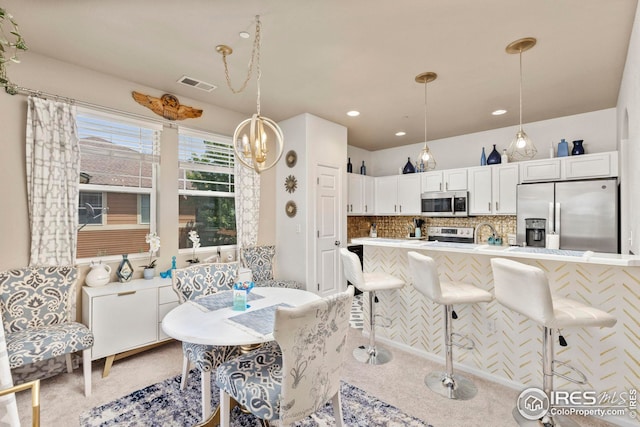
{"points": [[328, 230]]}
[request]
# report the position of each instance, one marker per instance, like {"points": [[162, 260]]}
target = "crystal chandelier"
{"points": [[521, 147], [253, 136], [426, 157]]}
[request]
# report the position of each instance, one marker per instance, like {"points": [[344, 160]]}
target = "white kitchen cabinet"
{"points": [[397, 195], [446, 180], [360, 194], [126, 316], [492, 189], [598, 165], [540, 170]]}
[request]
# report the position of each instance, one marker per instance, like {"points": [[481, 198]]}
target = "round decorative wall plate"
{"points": [[291, 158], [291, 209], [290, 184]]}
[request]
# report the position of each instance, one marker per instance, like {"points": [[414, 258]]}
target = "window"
{"points": [[206, 189], [118, 161]]}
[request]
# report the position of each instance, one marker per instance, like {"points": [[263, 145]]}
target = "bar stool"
{"points": [[525, 289], [426, 281], [369, 282]]}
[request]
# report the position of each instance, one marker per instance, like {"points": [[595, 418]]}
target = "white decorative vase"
{"points": [[149, 273], [99, 275]]}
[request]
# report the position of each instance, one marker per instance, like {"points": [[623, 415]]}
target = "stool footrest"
{"points": [[582, 380], [462, 341]]}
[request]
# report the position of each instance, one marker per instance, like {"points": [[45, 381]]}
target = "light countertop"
{"points": [[505, 251]]}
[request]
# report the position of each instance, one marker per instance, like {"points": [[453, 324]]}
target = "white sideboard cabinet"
{"points": [[125, 317]]}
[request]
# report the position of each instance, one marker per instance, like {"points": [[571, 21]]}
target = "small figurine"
{"points": [[166, 274]]}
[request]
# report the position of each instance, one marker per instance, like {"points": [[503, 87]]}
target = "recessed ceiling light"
{"points": [[244, 34], [353, 113], [401, 133], [499, 112]]}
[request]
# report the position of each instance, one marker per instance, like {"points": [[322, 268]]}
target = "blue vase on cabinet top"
{"points": [[563, 148], [408, 168], [494, 157], [577, 148], [483, 158]]}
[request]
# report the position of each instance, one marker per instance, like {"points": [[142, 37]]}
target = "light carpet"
{"points": [[163, 404]]}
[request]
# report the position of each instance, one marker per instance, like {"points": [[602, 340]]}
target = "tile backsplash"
{"points": [[397, 226]]}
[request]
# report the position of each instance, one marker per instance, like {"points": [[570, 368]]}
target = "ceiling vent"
{"points": [[198, 84]]}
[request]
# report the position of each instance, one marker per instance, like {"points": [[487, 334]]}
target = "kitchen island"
{"points": [[508, 345]]}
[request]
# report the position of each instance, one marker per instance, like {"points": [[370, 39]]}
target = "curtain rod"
{"points": [[19, 90]]}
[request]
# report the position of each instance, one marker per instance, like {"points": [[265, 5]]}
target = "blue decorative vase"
{"points": [[577, 148], [408, 168], [125, 270], [563, 148], [494, 157], [483, 158]]}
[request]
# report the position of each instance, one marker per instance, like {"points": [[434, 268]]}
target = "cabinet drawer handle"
{"points": [[497, 207], [365, 208], [489, 204], [121, 294]]}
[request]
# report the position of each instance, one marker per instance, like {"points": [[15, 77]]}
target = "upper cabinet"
{"points": [[599, 165], [446, 180], [492, 189], [360, 197], [397, 195], [586, 166], [540, 170]]}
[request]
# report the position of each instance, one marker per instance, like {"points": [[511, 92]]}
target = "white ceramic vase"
{"points": [[99, 275]]}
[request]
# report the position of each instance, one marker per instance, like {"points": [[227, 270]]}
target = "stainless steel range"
{"points": [[450, 234]]}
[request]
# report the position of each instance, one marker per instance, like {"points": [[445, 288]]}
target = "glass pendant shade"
{"points": [[521, 147], [427, 158]]}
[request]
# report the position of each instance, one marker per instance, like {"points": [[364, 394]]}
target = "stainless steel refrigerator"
{"points": [[583, 213]]}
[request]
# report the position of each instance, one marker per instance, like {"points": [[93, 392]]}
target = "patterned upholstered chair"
{"points": [[259, 259], [8, 407], [191, 283], [36, 305], [292, 378]]}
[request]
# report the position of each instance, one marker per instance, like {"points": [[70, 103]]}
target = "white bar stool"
{"points": [[525, 289], [426, 281], [369, 282]]}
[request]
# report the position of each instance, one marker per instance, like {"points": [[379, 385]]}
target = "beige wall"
{"points": [[52, 76]]}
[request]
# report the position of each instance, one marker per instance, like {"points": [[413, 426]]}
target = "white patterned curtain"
{"points": [[247, 191], [53, 170]]}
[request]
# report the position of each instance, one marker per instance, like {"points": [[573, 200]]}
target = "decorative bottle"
{"points": [[408, 168], [494, 157], [552, 153], [504, 157], [363, 169], [349, 166], [125, 270], [577, 148], [421, 165], [563, 148], [483, 158]]}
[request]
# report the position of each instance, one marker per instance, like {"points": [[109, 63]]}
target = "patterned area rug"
{"points": [[357, 318], [164, 405]]}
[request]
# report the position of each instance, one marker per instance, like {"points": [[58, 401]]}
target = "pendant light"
{"points": [[521, 147], [253, 136], [426, 157]]}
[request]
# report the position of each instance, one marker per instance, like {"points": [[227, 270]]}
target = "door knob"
{"points": [[337, 243]]}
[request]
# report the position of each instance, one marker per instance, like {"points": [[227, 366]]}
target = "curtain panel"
{"points": [[247, 190], [53, 171]]}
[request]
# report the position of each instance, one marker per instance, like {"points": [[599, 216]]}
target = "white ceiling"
{"points": [[326, 57]]}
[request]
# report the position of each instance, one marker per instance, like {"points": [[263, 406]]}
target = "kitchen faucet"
{"points": [[478, 227]]}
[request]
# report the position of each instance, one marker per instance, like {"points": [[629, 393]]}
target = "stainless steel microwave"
{"points": [[445, 203]]}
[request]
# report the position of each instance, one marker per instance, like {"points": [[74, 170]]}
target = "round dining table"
{"points": [[211, 320]]}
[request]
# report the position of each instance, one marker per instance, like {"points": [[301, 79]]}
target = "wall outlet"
{"points": [[490, 326]]}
